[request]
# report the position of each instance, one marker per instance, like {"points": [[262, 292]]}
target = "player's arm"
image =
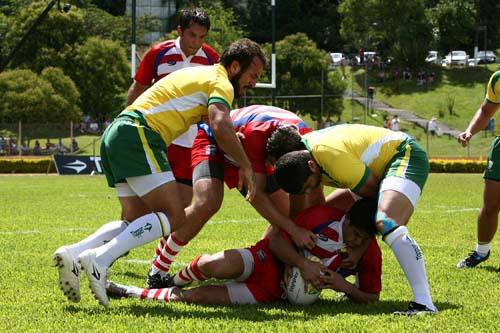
{"points": [[135, 90], [335, 281], [479, 121], [222, 127], [263, 204], [284, 250]]}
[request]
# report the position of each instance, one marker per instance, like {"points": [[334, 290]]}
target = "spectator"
{"points": [[432, 126], [24, 149], [61, 148], [74, 145], [37, 149], [407, 74], [387, 122], [395, 123]]}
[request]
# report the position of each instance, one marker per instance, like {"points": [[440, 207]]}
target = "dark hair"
{"points": [[284, 140], [243, 51], [362, 216], [189, 16], [292, 171]]}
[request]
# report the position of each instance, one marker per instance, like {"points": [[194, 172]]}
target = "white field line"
{"points": [[175, 264], [87, 229]]}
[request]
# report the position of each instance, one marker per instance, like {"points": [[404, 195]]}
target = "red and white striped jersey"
{"points": [[257, 123], [167, 57], [326, 223]]}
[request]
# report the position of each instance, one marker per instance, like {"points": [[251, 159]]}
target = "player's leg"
{"points": [[65, 257], [487, 221], [399, 193], [179, 158], [210, 294], [134, 154], [208, 192], [228, 264]]}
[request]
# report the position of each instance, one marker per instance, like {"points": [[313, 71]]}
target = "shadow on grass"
{"points": [[491, 269], [252, 313]]}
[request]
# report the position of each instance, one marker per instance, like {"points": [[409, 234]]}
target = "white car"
{"points": [[456, 58], [433, 57], [337, 59]]}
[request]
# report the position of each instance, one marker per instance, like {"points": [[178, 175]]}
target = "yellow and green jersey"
{"points": [[493, 91], [347, 154], [180, 99]]}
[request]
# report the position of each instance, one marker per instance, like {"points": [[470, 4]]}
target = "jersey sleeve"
{"points": [[146, 72], [370, 269], [255, 145], [493, 91], [344, 169], [221, 91]]}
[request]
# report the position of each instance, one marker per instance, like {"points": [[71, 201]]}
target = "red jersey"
{"points": [[326, 223], [257, 123], [167, 57]]}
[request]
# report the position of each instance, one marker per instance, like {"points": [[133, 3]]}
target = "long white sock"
{"points": [[100, 237], [411, 259], [141, 231], [483, 248]]}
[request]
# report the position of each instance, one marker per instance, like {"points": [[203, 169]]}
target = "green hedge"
{"points": [[457, 166], [40, 165], [27, 165]]}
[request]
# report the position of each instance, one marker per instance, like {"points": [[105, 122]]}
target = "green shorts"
{"points": [[493, 167], [410, 162], [129, 148]]}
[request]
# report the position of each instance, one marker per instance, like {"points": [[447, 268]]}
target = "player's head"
{"points": [[244, 61], [360, 222], [297, 173], [283, 140], [193, 27]]}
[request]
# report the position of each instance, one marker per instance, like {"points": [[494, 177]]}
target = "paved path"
{"points": [[403, 114]]}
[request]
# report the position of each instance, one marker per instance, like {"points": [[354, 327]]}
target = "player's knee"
{"points": [[206, 205], [205, 265], [384, 223]]}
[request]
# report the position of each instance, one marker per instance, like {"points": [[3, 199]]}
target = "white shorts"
{"points": [[142, 185], [402, 185]]}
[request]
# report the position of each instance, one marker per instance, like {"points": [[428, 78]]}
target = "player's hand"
{"points": [[311, 272], [464, 137], [246, 180], [332, 280], [303, 238]]}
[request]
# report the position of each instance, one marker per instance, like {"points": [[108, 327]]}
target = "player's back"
{"points": [[259, 116]]}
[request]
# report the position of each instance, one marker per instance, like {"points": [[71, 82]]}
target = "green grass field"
{"points": [[40, 213]]}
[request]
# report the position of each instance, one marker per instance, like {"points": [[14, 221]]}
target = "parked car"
{"points": [[486, 57], [456, 58], [368, 55], [433, 57], [337, 59]]}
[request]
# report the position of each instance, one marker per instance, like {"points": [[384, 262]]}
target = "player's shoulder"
{"points": [[210, 51], [167, 44]]}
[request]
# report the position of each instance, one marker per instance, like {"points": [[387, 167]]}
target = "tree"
{"points": [[52, 40], [102, 77], [31, 98], [453, 22], [300, 65]]}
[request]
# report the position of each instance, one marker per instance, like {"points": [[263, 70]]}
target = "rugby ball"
{"points": [[297, 292]]}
